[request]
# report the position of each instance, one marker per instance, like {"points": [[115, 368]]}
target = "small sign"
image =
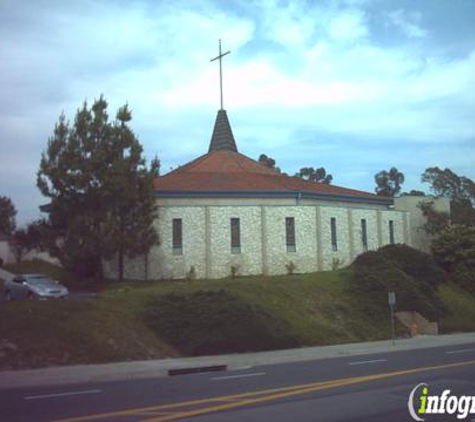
{"points": [[391, 298]]}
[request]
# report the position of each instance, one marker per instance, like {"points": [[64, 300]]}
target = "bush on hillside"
{"points": [[454, 250], [214, 322], [375, 273], [418, 264], [464, 276]]}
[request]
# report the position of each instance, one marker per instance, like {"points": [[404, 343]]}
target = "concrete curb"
{"points": [[196, 370], [160, 368]]}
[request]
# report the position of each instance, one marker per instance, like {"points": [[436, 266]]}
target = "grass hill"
{"points": [[141, 320]]}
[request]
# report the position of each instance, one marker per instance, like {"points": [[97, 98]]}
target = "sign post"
{"points": [[392, 302]]}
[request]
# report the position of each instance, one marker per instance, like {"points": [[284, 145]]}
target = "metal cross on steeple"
{"points": [[219, 57]]}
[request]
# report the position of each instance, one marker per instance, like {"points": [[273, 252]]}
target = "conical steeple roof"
{"points": [[223, 171], [222, 138]]}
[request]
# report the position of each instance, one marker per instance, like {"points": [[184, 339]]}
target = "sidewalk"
{"points": [[160, 368]]}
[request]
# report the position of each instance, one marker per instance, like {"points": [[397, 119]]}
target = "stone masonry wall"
{"points": [[207, 240], [277, 257], [371, 218], [340, 257], [221, 258]]}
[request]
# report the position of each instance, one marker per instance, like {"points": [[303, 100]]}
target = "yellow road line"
{"points": [[245, 402], [253, 397], [185, 403]]}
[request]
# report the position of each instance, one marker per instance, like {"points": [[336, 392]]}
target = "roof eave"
{"points": [[273, 194]]}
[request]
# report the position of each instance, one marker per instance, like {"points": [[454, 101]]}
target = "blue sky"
{"points": [[354, 86]]}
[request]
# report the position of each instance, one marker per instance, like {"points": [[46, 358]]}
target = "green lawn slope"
{"points": [[143, 320]]}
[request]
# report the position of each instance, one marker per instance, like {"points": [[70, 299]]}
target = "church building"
{"points": [[225, 213]]}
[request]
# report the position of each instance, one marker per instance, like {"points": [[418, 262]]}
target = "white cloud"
{"points": [[289, 25], [408, 23], [348, 26]]}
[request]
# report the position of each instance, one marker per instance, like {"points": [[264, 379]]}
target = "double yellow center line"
{"points": [[179, 410]]}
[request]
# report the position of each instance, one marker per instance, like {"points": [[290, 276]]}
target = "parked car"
{"points": [[34, 286]]}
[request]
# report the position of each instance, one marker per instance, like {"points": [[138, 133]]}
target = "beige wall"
{"points": [[207, 239], [6, 253], [419, 238], [41, 255]]}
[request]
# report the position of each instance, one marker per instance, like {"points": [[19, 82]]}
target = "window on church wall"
{"points": [[391, 232], [333, 234], [290, 234], [235, 235], [364, 234], [177, 236]]}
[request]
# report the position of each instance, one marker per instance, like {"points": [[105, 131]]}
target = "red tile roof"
{"points": [[225, 171]]}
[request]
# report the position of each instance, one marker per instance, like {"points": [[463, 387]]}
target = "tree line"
{"points": [[460, 190]]}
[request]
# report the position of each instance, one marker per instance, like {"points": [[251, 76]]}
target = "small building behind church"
{"points": [[225, 213]]}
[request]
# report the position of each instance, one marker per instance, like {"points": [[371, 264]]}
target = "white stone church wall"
{"points": [[398, 224], [206, 234], [164, 264], [340, 257], [221, 258], [371, 218], [161, 262], [277, 257]]}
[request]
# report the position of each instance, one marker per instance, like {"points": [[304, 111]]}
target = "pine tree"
{"points": [[100, 190], [128, 190], [7, 215]]}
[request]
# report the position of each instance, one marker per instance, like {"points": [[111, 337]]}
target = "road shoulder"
{"points": [[159, 368]]}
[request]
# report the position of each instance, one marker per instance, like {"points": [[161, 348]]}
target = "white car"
{"points": [[34, 286]]}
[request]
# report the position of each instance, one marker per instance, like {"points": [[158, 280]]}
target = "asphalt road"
{"points": [[355, 388]]}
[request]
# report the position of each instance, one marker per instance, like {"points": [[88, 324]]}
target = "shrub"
{"points": [[337, 263], [214, 322], [454, 250], [463, 274], [454, 246], [375, 273], [290, 267], [191, 275], [418, 264]]}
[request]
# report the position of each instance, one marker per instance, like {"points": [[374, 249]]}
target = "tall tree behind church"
{"points": [[388, 183], [100, 190], [268, 162], [459, 189], [315, 175]]}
